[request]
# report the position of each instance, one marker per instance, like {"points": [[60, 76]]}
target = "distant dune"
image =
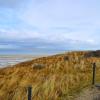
{"points": [[58, 77]]}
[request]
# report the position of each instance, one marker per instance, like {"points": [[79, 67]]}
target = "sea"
{"points": [[9, 60]]}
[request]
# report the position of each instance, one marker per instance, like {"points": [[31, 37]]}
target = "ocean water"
{"points": [[8, 60]]}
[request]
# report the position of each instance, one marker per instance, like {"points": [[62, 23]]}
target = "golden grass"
{"points": [[57, 79]]}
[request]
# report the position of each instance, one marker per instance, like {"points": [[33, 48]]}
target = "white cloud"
{"points": [[15, 34], [51, 37], [8, 46], [58, 13], [80, 19]]}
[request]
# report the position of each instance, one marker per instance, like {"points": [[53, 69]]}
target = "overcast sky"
{"points": [[46, 26]]}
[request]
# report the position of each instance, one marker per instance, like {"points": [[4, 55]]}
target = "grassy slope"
{"points": [[57, 80]]}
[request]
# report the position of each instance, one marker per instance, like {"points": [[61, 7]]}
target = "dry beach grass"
{"points": [[58, 77]]}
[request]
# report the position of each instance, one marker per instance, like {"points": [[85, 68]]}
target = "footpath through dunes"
{"points": [[58, 77], [89, 94]]}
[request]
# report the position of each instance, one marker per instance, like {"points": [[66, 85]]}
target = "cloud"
{"points": [[11, 3], [58, 13], [45, 45], [61, 37], [8, 46], [18, 34], [50, 24]]}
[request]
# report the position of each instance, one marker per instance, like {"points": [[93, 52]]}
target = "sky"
{"points": [[49, 26]]}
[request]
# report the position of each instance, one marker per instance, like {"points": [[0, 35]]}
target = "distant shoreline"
{"points": [[10, 60]]}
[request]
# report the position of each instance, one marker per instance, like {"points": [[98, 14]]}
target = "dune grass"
{"points": [[57, 79]]}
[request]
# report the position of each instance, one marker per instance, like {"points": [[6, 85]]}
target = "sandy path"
{"points": [[89, 94]]}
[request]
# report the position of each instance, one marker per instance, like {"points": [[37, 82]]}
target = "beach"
{"points": [[9, 60]]}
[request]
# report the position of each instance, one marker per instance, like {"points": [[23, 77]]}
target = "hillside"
{"points": [[58, 77]]}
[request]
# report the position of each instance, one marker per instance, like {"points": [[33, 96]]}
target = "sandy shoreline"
{"points": [[9, 60]]}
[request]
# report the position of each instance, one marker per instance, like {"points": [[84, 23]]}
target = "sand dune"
{"points": [[58, 77]]}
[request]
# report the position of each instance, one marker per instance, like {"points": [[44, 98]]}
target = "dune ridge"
{"points": [[58, 77]]}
